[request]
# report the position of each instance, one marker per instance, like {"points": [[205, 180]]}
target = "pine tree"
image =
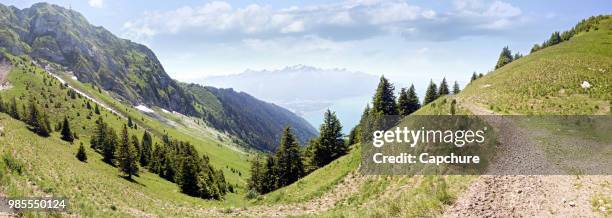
{"points": [[364, 128], [555, 38], [443, 88], [39, 121], [99, 135], [109, 146], [330, 143], [81, 154], [474, 77], [384, 99], [270, 180], [146, 149], [402, 103], [126, 154], [97, 109], [130, 123], [456, 88], [431, 94], [413, 100], [505, 57], [289, 166], [353, 137], [190, 169], [255, 182], [66, 132]]}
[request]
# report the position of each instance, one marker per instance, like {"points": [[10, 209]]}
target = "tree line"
{"points": [[386, 111], [291, 162], [583, 26]]}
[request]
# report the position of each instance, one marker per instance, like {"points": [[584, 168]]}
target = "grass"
{"points": [[36, 166], [318, 182], [548, 81]]}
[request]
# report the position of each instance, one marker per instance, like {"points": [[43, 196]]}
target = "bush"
{"points": [[252, 194], [13, 164]]}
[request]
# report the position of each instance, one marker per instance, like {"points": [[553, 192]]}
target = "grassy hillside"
{"points": [[549, 81], [35, 166], [545, 82]]}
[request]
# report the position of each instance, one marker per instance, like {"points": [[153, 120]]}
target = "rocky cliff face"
{"points": [[132, 72], [93, 53]]}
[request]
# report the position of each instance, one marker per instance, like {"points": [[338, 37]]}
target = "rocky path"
{"points": [[508, 192]]}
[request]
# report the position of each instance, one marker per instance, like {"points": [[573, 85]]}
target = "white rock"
{"points": [[585, 85]]}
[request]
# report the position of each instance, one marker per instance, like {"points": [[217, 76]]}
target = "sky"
{"points": [[407, 41]]}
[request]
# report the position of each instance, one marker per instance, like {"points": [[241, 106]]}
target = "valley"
{"points": [[157, 147]]}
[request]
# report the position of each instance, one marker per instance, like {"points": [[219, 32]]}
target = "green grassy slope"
{"points": [[48, 165], [548, 81]]}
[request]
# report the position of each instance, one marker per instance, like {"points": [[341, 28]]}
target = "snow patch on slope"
{"points": [[144, 109]]}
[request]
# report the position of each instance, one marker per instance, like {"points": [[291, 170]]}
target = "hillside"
{"points": [[546, 82], [256, 122], [131, 72]]}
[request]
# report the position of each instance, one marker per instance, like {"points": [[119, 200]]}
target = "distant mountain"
{"points": [[300, 88], [132, 72], [256, 122]]}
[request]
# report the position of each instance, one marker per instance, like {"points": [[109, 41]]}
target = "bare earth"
{"points": [[5, 68], [503, 193]]}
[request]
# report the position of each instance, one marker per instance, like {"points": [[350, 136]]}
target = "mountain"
{"points": [[256, 122], [130, 71], [299, 88]]}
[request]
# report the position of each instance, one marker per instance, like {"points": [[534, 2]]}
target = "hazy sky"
{"points": [[409, 41]]}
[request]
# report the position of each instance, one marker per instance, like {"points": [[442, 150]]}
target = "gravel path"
{"points": [[508, 192]]}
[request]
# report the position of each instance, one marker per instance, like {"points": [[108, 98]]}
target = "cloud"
{"points": [[96, 3], [345, 21]]}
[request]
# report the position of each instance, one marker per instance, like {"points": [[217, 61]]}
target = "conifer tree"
{"points": [[130, 123], [289, 165], [505, 57], [109, 146], [456, 88], [256, 181], [66, 132], [555, 38], [443, 88], [188, 182], [474, 77], [413, 100], [330, 143], [431, 94], [126, 155], [384, 99], [402, 103], [97, 109], [270, 180], [99, 135], [353, 137], [81, 154], [146, 149]]}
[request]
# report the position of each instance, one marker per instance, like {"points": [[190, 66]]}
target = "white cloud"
{"points": [[349, 20], [96, 3]]}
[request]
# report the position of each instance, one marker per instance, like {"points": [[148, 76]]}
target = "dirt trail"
{"points": [[506, 193]]}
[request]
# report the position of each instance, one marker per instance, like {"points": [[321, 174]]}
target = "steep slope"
{"points": [[37, 166], [92, 53], [256, 122], [550, 81], [129, 71]]}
